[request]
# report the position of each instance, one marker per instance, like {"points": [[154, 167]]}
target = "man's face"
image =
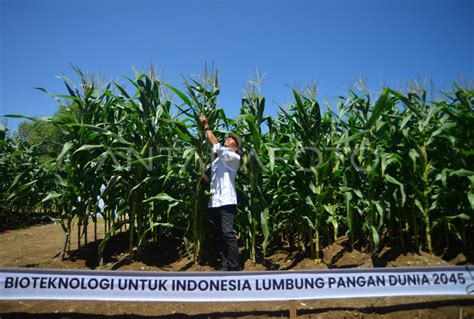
{"points": [[230, 142]]}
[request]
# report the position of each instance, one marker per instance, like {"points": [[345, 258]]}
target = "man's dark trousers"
{"points": [[223, 219]]}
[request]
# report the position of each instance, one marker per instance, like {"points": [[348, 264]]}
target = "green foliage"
{"points": [[24, 180], [47, 136], [395, 168]]}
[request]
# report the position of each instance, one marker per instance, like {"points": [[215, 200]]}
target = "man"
{"points": [[223, 202]]}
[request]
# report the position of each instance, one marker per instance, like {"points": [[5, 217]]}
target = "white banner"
{"points": [[18, 284]]}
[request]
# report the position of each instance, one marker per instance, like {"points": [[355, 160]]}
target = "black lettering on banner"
{"points": [[9, 282], [162, 285], [153, 285], [257, 285], [361, 282], [351, 282], [224, 285], [340, 283], [246, 285], [408, 280], [210, 285], [204, 285], [122, 284], [393, 280], [107, 284], [58, 283], [195, 285], [319, 282], [357, 281], [289, 283], [132, 284], [52, 282], [24, 282], [63, 283], [141, 284], [34, 279], [74, 283], [425, 280], [232, 285], [440, 279], [192, 285], [278, 284], [179, 285], [94, 285]]}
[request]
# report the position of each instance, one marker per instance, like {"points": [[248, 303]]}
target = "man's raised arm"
{"points": [[207, 130]]}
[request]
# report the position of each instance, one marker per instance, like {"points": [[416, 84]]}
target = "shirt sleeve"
{"points": [[225, 154]]}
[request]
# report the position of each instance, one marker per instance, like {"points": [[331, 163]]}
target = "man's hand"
{"points": [[203, 121], [205, 125]]}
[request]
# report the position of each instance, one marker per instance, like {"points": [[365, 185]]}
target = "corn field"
{"points": [[395, 168]]}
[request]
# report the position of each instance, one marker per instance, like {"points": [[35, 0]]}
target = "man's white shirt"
{"points": [[223, 171]]}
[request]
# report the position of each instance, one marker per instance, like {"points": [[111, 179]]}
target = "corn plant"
{"points": [[201, 98], [255, 208]]}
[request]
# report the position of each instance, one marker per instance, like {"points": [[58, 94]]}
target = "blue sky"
{"points": [[292, 42]]}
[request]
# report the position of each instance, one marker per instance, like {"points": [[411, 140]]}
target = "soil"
{"points": [[40, 246]]}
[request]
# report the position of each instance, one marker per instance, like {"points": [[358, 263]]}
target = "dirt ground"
{"points": [[39, 247]]}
